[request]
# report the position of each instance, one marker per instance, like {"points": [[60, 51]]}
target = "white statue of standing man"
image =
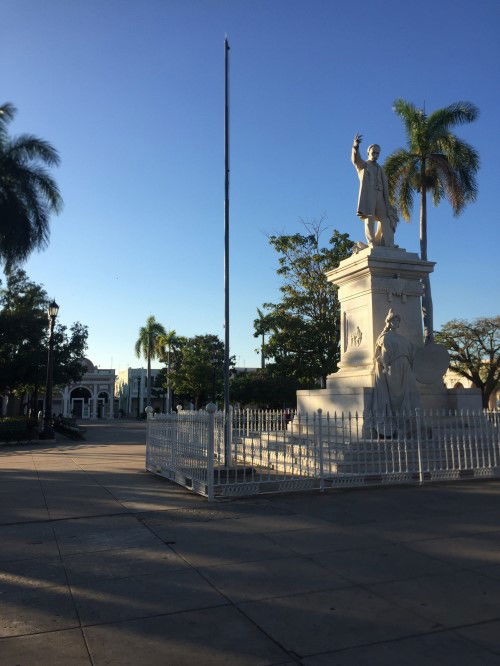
{"points": [[373, 201]]}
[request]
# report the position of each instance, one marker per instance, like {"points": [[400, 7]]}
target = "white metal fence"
{"points": [[279, 451]]}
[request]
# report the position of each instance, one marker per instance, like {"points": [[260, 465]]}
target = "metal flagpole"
{"points": [[227, 425]]}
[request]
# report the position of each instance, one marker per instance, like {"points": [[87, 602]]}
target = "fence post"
{"points": [[418, 426], [211, 409], [320, 451], [149, 417]]}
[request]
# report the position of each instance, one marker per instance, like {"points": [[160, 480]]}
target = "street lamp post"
{"points": [[139, 397], [214, 362], [48, 430], [169, 395]]}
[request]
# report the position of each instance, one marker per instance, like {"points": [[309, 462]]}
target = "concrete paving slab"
{"points": [[272, 578], [490, 570], [468, 552], [29, 611], [27, 541], [117, 599], [70, 509], [195, 514], [95, 534], [56, 648], [17, 575], [486, 635], [430, 526], [441, 649], [23, 514], [213, 637], [379, 564], [333, 620], [122, 563], [268, 522], [211, 544], [458, 598], [333, 538]]}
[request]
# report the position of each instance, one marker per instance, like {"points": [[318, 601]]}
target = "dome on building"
{"points": [[87, 364]]}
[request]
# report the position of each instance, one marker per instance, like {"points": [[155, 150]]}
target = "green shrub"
{"points": [[18, 429]]}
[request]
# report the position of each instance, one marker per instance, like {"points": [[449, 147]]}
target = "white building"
{"points": [[456, 381], [90, 398], [131, 390]]}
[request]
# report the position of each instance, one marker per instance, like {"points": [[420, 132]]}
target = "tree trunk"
{"points": [[262, 354], [427, 313], [148, 398], [34, 401], [486, 392]]}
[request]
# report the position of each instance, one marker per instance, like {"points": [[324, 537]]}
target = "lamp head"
{"points": [[53, 309]]}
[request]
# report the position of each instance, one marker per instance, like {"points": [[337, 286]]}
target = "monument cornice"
{"points": [[380, 262]]}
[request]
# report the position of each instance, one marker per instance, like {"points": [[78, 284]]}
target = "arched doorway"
{"points": [[80, 402], [102, 401]]}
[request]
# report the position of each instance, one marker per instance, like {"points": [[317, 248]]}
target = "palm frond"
{"points": [[7, 113], [409, 114], [457, 113], [28, 193], [402, 176], [398, 160], [457, 151], [449, 181], [29, 147]]}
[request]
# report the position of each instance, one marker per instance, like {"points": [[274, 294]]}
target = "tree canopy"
{"points": [[304, 327], [23, 339], [28, 193], [474, 348], [436, 161], [197, 366], [263, 389], [147, 346]]}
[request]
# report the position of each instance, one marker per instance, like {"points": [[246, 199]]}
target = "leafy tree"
{"points": [[147, 345], [28, 194], [261, 325], [474, 351], [197, 368], [304, 326], [23, 340], [166, 344], [263, 389], [435, 161]]}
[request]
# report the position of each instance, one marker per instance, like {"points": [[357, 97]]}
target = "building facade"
{"points": [[90, 398], [132, 390], [456, 381]]}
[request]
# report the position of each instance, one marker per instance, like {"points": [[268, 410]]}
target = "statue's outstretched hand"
{"points": [[357, 140]]}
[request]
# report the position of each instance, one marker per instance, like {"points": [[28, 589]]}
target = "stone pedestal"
{"points": [[370, 283]]}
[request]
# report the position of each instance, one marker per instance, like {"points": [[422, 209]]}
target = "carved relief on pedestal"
{"points": [[353, 336], [356, 337], [397, 287]]}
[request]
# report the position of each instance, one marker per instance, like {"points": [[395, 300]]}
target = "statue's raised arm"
{"points": [[355, 158]]}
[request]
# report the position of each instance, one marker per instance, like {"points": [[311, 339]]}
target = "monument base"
{"points": [[370, 283], [356, 399]]}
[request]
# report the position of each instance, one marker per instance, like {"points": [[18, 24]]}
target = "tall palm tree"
{"points": [[261, 325], [28, 194], [147, 345], [436, 161], [164, 343]]}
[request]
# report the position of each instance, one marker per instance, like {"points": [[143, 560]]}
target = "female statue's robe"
{"points": [[395, 389]]}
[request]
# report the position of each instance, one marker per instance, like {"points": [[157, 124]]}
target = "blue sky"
{"points": [[131, 94]]}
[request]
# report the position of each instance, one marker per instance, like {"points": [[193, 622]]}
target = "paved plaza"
{"points": [[102, 563]]}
